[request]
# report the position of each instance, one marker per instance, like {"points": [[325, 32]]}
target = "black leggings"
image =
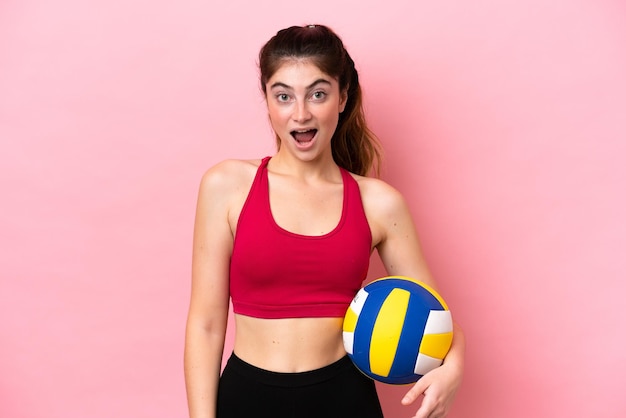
{"points": [[338, 390]]}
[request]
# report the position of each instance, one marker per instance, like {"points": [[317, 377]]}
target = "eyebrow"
{"points": [[310, 86]]}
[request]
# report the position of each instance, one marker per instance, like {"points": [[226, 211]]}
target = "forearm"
{"points": [[203, 358], [456, 354]]}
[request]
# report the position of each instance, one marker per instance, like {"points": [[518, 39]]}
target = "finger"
{"points": [[418, 389], [426, 409]]}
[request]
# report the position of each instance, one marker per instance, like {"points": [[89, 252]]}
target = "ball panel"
{"points": [[402, 281], [438, 322], [348, 342], [387, 330], [398, 380], [425, 364], [350, 320], [365, 327], [436, 345], [410, 340], [359, 300]]}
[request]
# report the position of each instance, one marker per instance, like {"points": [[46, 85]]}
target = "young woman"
{"points": [[289, 238]]}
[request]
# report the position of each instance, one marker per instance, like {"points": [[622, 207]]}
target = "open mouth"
{"points": [[304, 136]]}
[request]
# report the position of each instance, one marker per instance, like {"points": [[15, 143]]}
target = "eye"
{"points": [[282, 97], [318, 95]]}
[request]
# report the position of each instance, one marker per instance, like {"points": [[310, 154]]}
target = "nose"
{"points": [[301, 111]]}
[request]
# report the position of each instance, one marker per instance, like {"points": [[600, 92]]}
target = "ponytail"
{"points": [[355, 147]]}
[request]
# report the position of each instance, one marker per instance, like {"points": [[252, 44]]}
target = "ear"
{"points": [[343, 100]]}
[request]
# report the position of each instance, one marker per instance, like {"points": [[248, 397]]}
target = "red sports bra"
{"points": [[275, 273]]}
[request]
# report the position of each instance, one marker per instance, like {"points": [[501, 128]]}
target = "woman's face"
{"points": [[304, 104]]}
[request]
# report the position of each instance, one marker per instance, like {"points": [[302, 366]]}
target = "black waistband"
{"points": [[311, 377]]}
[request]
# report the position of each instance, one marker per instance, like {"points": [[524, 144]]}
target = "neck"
{"points": [[322, 167]]}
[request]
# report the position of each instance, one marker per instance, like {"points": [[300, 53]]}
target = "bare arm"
{"points": [[208, 309], [398, 245]]}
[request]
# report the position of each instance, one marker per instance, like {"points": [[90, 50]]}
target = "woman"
{"points": [[288, 238]]}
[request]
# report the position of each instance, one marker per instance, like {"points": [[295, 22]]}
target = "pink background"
{"points": [[504, 124]]}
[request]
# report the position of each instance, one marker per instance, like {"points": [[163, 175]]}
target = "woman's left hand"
{"points": [[439, 387]]}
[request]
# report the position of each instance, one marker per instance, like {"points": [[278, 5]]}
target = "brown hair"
{"points": [[354, 146]]}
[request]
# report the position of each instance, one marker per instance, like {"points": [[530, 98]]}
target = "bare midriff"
{"points": [[288, 345]]}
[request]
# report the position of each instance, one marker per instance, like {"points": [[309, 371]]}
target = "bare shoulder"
{"points": [[385, 208], [223, 191], [379, 197], [229, 176]]}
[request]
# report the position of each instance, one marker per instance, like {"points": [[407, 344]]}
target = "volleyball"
{"points": [[397, 329]]}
